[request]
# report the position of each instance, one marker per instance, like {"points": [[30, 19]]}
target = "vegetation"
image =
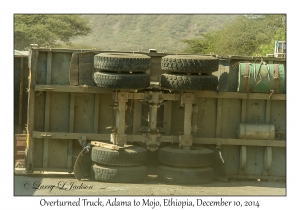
{"points": [[198, 34], [142, 32], [246, 35], [47, 30]]}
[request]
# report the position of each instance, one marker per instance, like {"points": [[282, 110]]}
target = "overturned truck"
{"points": [[100, 114]]}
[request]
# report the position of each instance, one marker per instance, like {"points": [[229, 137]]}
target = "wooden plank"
{"points": [[71, 89], [268, 112], [219, 118], [20, 143], [86, 68], [214, 141], [71, 120], [237, 95], [46, 129], [96, 113], [107, 146], [73, 72], [244, 111], [32, 63], [245, 176], [21, 96], [245, 142], [49, 67], [208, 94], [172, 139], [254, 58], [59, 135], [71, 130], [137, 116], [158, 54], [47, 109], [53, 169]]}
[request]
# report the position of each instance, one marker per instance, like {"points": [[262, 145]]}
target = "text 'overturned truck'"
{"points": [[102, 114]]}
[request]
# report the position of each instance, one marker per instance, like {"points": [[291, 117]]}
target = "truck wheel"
{"points": [[130, 156], [132, 174], [190, 63], [122, 62], [170, 175], [195, 157], [122, 81], [189, 82]]}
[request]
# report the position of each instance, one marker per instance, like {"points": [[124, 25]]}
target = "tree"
{"points": [[246, 35], [47, 30]]}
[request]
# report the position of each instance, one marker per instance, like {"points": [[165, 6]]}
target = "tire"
{"points": [[190, 63], [131, 156], [122, 81], [195, 157], [122, 62], [189, 82], [132, 174], [170, 175]]}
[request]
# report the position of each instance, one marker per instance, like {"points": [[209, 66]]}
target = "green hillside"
{"points": [[142, 32]]}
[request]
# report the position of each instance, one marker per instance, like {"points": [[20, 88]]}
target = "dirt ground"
{"points": [[66, 184]]}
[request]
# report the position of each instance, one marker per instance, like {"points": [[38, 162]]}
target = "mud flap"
{"points": [[82, 167], [219, 164]]}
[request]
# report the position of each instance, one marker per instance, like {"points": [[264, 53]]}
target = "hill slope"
{"points": [[142, 32]]}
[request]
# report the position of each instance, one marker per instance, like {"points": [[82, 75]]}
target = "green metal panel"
{"points": [[39, 116], [231, 114], [278, 118], [278, 167], [84, 113], [232, 159], [59, 112], [206, 117], [254, 161], [60, 68], [41, 68], [57, 153], [106, 113], [256, 110]]}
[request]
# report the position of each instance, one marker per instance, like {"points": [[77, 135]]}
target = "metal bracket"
{"points": [[122, 97], [118, 139], [154, 97], [107, 146], [185, 140], [45, 135], [84, 87], [153, 141], [187, 98], [82, 141]]}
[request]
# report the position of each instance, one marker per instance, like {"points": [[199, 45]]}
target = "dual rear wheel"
{"points": [[180, 166], [125, 166]]}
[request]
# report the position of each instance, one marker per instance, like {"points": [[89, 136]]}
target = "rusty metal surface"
{"points": [[21, 72], [19, 150]]}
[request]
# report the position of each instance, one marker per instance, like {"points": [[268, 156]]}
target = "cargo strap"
{"points": [[276, 78], [246, 78]]}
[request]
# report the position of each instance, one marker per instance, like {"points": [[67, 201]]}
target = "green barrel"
{"points": [[261, 78]]}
